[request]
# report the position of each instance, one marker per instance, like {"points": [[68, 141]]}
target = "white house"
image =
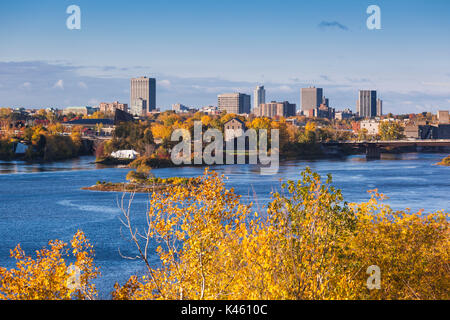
{"points": [[125, 154], [372, 126], [234, 128]]}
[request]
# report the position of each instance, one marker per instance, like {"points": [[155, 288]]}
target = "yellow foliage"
{"points": [[309, 245], [49, 276], [161, 131]]}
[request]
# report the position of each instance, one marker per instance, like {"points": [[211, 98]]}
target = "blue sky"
{"points": [[198, 49]]}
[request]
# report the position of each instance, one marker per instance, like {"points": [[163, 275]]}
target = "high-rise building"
{"points": [[259, 96], [379, 108], [238, 103], [311, 98], [273, 109], [143, 88], [366, 105]]}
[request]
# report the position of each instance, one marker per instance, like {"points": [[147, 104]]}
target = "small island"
{"points": [[141, 181], [444, 162]]}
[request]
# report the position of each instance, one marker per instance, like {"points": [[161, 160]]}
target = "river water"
{"points": [[40, 202]]}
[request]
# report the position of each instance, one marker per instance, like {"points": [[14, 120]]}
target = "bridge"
{"points": [[373, 147]]}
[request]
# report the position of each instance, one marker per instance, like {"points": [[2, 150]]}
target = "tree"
{"points": [[310, 245], [198, 231], [391, 130], [141, 175], [412, 251], [309, 135], [206, 120], [312, 221], [363, 134], [162, 133], [49, 276]]}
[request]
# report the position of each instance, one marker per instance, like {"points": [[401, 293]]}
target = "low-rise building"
{"points": [[85, 111], [138, 107], [178, 108], [210, 110], [275, 109], [443, 117], [110, 108], [94, 126], [372, 126], [324, 111], [234, 128], [345, 114], [412, 131], [125, 154]]}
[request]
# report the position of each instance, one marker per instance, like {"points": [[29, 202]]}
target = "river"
{"points": [[40, 202]]}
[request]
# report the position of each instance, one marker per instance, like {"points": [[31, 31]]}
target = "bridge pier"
{"points": [[373, 152]]}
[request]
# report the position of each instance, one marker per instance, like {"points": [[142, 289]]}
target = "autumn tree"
{"points": [[309, 245], [412, 251], [391, 130], [309, 135], [162, 132], [197, 231], [50, 276]]}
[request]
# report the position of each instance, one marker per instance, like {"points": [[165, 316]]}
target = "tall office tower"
{"points": [[379, 108], [259, 96], [311, 98], [143, 88], [367, 104], [238, 103]]}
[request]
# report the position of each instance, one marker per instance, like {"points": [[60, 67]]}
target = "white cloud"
{"points": [[165, 83], [26, 85], [284, 88], [437, 84], [399, 97], [59, 84], [82, 85]]}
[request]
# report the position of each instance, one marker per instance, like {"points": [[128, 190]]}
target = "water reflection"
{"points": [[82, 163]]}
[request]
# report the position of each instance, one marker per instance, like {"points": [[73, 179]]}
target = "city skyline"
{"points": [[45, 64]]}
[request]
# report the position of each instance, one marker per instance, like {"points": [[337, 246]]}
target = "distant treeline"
{"points": [[45, 146]]}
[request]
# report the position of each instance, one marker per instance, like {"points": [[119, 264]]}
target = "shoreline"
{"points": [[126, 187]]}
